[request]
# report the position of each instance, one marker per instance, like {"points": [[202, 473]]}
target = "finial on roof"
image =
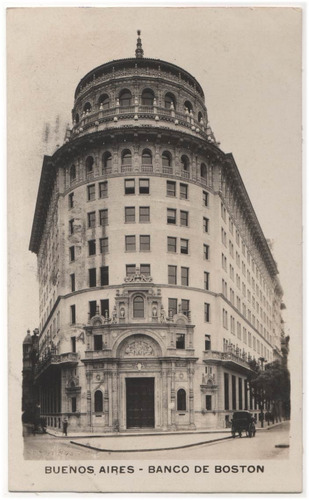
{"points": [[139, 49]]}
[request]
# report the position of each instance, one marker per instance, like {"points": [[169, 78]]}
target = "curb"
{"points": [[151, 449]]}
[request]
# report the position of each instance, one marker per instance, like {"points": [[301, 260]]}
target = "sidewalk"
{"points": [[148, 441]]}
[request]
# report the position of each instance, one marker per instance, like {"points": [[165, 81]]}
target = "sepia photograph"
{"points": [[155, 249]]}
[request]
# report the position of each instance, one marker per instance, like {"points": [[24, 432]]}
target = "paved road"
{"points": [[263, 446]]}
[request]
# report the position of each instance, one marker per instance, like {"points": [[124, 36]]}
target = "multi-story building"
{"points": [[157, 285]]}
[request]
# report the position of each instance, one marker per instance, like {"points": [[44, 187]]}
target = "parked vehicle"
{"points": [[243, 421]]}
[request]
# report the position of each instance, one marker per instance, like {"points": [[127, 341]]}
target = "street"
{"points": [[262, 446]]}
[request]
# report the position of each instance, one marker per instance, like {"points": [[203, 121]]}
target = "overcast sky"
{"points": [[248, 62]]}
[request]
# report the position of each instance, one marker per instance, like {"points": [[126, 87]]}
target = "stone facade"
{"points": [[157, 285]]}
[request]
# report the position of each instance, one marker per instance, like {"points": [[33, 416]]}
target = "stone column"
{"points": [[164, 404], [191, 396], [115, 409], [173, 396], [89, 377]]}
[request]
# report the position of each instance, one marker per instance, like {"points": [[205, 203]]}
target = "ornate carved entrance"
{"points": [[140, 402]]}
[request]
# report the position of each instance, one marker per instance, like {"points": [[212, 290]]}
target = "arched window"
{"points": [[125, 98], [203, 171], [181, 400], [77, 118], [166, 159], [126, 158], [168, 100], [147, 97], [98, 401], [107, 161], [87, 107], [104, 101], [146, 157], [185, 164], [189, 106], [200, 117], [72, 173], [138, 307], [89, 165]]}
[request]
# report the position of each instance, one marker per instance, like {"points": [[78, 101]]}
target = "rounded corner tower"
{"points": [[139, 230]]}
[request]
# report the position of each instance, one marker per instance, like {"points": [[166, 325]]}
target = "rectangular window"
{"points": [[73, 344], [171, 244], [205, 225], [104, 276], [144, 243], [103, 189], [206, 252], [206, 280], [170, 188], [130, 270], [143, 186], [92, 308], [130, 244], [180, 341], [185, 276], [172, 275], [73, 405], [233, 392], [145, 269], [205, 198], [71, 226], [185, 307], [104, 307], [92, 277], [103, 245], [184, 246], [208, 403], [73, 315], [183, 191], [91, 247], [184, 218], [172, 307], [171, 216], [226, 392], [72, 276], [91, 192], [97, 343], [207, 343], [129, 214], [72, 253], [71, 200], [129, 186], [91, 219], [103, 217], [144, 214], [206, 312]]}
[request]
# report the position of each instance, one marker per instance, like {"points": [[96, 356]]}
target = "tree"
{"points": [[271, 388]]}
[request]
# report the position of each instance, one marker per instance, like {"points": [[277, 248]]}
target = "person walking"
{"points": [[65, 424]]}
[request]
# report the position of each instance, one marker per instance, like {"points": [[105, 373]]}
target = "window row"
{"points": [[125, 98], [172, 275]]}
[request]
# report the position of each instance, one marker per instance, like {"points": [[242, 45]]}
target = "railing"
{"points": [[55, 359], [185, 174], [126, 168], [147, 168], [227, 356], [167, 170], [125, 109]]}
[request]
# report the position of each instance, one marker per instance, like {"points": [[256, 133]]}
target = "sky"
{"points": [[248, 61]]}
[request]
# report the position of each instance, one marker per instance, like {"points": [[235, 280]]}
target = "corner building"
{"points": [[157, 285]]}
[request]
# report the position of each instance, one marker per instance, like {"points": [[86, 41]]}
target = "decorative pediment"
{"points": [[139, 346]]}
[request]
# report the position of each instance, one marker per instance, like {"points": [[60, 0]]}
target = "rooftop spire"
{"points": [[139, 49]]}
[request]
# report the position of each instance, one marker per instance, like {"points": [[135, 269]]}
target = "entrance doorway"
{"points": [[140, 402]]}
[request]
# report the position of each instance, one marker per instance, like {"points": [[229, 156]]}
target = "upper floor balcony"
{"points": [[230, 359], [51, 359], [100, 118]]}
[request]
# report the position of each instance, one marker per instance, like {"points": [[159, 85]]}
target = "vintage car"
{"points": [[243, 421]]}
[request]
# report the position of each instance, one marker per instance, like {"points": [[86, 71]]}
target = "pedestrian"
{"points": [[65, 424]]}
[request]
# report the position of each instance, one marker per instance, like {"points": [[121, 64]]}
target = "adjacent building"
{"points": [[157, 285]]}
